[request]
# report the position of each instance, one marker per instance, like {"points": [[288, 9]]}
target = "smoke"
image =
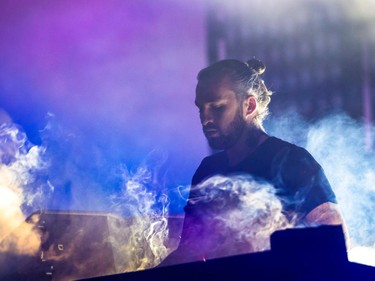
{"points": [[138, 231], [243, 213], [338, 143], [144, 199], [234, 215], [19, 162]]}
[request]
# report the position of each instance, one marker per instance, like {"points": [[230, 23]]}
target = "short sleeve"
{"points": [[300, 181]]}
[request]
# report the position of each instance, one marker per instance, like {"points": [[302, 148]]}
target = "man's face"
{"points": [[220, 113]]}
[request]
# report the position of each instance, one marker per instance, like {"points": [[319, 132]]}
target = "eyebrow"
{"points": [[216, 102]]}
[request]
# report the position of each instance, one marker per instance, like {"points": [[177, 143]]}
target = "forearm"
{"points": [[327, 214]]}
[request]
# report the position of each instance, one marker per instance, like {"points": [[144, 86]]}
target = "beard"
{"points": [[231, 135]]}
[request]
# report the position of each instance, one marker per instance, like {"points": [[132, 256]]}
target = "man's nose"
{"points": [[206, 117]]}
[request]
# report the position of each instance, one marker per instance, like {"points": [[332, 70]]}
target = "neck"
{"points": [[246, 145]]}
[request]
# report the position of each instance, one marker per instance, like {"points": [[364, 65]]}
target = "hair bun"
{"points": [[256, 66]]}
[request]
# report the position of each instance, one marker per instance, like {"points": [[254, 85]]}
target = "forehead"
{"points": [[211, 90]]}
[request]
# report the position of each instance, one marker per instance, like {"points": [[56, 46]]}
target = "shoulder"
{"points": [[300, 179], [293, 168], [273, 147], [279, 145], [289, 154], [278, 154]]}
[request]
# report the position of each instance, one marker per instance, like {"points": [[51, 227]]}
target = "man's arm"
{"points": [[327, 214]]}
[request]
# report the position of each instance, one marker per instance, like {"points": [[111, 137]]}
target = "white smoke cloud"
{"points": [[18, 161], [138, 231], [141, 240], [338, 143], [143, 199], [234, 215]]}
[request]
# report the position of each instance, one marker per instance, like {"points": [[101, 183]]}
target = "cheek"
{"points": [[226, 118], [222, 116], [230, 115]]}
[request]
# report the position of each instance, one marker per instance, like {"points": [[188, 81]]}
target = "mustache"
{"points": [[209, 127]]}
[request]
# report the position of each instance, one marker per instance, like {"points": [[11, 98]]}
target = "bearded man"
{"points": [[233, 101]]}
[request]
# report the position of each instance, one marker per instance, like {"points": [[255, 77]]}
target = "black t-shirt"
{"points": [[299, 180]]}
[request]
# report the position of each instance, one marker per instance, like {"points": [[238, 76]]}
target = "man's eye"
{"points": [[218, 107]]}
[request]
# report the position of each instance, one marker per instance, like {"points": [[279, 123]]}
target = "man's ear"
{"points": [[250, 106]]}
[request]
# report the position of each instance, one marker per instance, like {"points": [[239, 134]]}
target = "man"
{"points": [[233, 101]]}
